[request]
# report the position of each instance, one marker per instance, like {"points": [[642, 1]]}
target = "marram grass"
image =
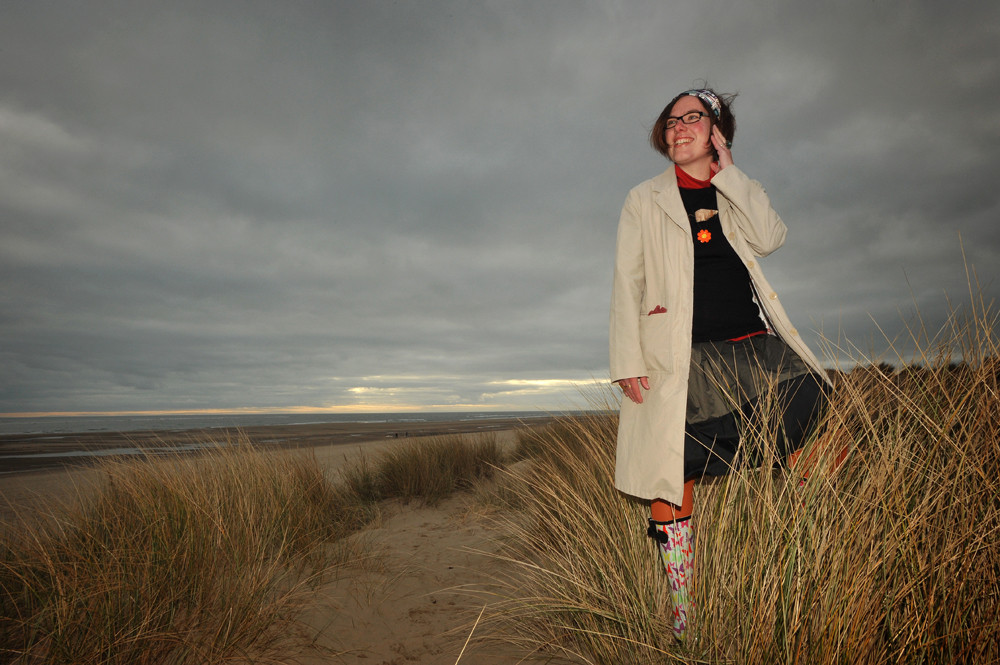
{"points": [[427, 469], [191, 559], [892, 556]]}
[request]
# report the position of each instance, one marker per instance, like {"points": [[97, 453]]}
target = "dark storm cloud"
{"points": [[258, 204]]}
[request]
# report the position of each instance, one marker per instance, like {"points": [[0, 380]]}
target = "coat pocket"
{"points": [[654, 336]]}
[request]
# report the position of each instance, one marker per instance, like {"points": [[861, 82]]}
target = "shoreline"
{"points": [[22, 454]]}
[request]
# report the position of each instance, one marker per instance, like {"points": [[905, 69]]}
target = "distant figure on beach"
{"points": [[700, 344]]}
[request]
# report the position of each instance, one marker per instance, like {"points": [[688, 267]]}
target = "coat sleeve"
{"points": [[759, 224], [629, 285]]}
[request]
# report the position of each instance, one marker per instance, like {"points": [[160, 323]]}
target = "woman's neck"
{"points": [[700, 170]]}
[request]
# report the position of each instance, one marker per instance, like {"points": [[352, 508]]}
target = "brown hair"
{"points": [[726, 120]]}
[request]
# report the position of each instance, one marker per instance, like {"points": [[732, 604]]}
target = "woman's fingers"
{"points": [[721, 147], [630, 387]]}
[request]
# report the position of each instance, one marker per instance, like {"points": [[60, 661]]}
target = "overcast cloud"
{"points": [[375, 205]]}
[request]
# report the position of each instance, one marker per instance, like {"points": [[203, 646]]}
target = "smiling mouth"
{"points": [[683, 141]]}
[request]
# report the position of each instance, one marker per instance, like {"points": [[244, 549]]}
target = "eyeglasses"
{"points": [[687, 119]]}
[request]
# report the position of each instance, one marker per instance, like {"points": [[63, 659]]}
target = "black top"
{"points": [[723, 295]]}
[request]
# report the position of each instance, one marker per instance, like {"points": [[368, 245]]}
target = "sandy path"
{"points": [[418, 600]]}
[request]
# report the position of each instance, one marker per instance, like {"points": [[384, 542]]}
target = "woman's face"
{"points": [[688, 145]]}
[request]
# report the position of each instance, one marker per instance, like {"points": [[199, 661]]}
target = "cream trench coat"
{"points": [[654, 267]]}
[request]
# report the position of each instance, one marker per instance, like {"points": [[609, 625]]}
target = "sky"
{"points": [[374, 206]]}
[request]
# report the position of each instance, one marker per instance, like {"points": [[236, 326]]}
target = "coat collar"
{"points": [[667, 195]]}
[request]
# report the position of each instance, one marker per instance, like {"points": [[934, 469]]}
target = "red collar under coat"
{"points": [[688, 181]]}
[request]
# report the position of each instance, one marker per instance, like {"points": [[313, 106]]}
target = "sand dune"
{"points": [[412, 603]]}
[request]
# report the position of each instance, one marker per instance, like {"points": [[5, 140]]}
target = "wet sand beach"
{"points": [[35, 452]]}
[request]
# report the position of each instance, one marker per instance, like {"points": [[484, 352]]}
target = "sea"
{"points": [[56, 425]]}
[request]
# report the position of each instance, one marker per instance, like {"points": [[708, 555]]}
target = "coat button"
{"points": [[749, 264], [794, 332], [773, 296]]}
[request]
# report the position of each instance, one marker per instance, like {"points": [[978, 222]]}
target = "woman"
{"points": [[700, 344]]}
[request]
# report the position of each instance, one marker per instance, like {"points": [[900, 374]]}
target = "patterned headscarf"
{"points": [[708, 97]]}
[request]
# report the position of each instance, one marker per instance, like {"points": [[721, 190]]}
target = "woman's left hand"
{"points": [[721, 147]]}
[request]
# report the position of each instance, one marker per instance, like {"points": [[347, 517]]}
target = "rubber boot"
{"points": [[676, 543]]}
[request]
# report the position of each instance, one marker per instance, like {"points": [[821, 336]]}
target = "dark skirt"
{"points": [[744, 397]]}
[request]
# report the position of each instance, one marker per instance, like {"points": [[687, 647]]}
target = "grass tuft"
{"points": [[429, 469], [185, 559]]}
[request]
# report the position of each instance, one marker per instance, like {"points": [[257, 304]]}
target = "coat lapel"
{"points": [[668, 197]]}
